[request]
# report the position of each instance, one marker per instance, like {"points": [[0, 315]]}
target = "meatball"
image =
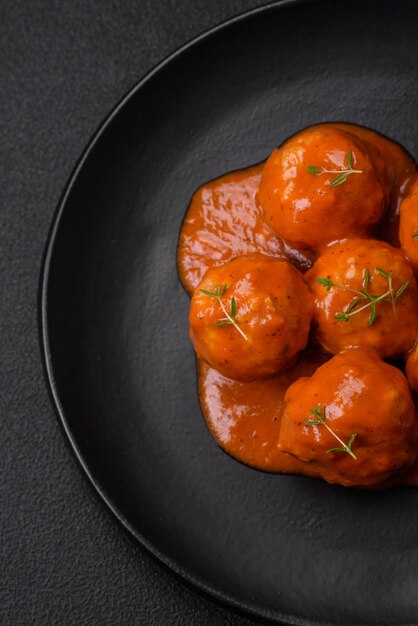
{"points": [[309, 200], [365, 294], [250, 317], [408, 224], [331, 420]]}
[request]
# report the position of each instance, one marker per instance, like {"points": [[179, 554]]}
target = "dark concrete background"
{"points": [[63, 66]]}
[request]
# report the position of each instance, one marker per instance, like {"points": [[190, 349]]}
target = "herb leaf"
{"points": [[367, 278], [357, 306], [401, 289], [353, 436], [208, 293], [353, 305], [233, 308], [324, 281], [382, 272], [342, 174], [321, 419], [339, 180], [372, 315], [230, 318], [344, 317], [312, 169]]}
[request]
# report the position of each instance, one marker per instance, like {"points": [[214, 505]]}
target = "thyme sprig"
{"points": [[321, 420], [363, 295], [230, 317], [342, 174]]}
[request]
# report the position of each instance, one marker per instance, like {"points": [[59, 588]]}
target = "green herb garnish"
{"points": [[321, 420], [230, 318], [363, 295], [342, 174]]}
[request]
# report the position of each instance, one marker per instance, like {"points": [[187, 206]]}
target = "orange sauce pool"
{"points": [[224, 221], [245, 418]]}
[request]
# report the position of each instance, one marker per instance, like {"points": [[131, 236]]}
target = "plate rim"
{"points": [[210, 592]]}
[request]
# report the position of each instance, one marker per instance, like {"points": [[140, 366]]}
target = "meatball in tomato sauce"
{"points": [[365, 294], [322, 185], [250, 317], [334, 422]]}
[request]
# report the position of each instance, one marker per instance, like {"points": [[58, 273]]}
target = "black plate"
{"points": [[114, 315]]}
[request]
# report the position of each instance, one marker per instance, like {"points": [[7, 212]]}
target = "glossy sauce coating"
{"points": [[224, 220]]}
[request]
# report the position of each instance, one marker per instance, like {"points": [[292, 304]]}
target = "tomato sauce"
{"points": [[223, 221], [245, 418]]}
